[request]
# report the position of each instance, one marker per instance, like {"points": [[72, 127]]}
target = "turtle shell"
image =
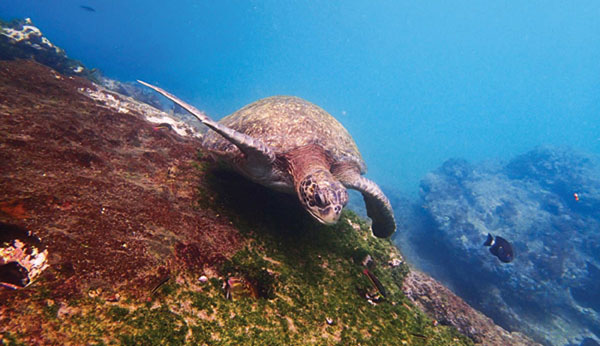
{"points": [[285, 123]]}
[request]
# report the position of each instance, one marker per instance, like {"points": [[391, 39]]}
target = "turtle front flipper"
{"points": [[378, 206], [253, 148]]}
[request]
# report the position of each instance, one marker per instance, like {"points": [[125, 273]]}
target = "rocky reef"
{"points": [[547, 204], [449, 309], [116, 228], [21, 39], [149, 242]]}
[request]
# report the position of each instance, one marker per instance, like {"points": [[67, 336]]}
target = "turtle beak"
{"points": [[329, 215]]}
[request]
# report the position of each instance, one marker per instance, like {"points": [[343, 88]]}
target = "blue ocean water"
{"points": [[414, 82]]}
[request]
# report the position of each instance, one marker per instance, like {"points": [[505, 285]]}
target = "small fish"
{"points": [[87, 8], [162, 126], [419, 335], [576, 196], [159, 285], [500, 248], [375, 282], [239, 287]]}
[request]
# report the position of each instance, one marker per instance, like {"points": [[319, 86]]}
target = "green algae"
{"points": [[117, 313], [11, 339], [309, 275], [155, 327], [249, 265]]}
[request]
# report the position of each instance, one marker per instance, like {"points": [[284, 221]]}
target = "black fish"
{"points": [[87, 8], [500, 248], [375, 282]]}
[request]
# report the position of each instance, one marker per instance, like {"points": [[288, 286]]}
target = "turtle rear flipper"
{"points": [[378, 206], [253, 148]]}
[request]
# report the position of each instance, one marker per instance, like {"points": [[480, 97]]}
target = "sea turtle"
{"points": [[291, 145]]}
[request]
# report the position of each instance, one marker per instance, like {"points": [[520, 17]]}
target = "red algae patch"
{"points": [[13, 209], [145, 244], [112, 198]]}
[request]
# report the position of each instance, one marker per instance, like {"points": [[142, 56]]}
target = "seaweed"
{"points": [[120, 220]]}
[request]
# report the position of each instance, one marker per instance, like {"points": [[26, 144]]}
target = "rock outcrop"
{"points": [[447, 308], [547, 203], [21, 39], [142, 233]]}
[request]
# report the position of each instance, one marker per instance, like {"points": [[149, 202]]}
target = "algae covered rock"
{"points": [[21, 39], [145, 237], [546, 203], [132, 217]]}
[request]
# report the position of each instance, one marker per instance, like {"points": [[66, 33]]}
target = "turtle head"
{"points": [[322, 196]]}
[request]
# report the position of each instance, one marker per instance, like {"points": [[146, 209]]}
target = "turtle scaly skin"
{"points": [[291, 145]]}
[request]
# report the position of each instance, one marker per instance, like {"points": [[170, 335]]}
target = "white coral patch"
{"points": [[29, 30], [24, 34], [27, 33], [14, 35], [177, 125], [33, 261], [50, 45], [124, 104]]}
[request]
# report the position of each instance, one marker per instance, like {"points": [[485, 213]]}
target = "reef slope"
{"points": [[133, 215], [546, 202]]}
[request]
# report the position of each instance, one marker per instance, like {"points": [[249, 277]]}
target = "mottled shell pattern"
{"points": [[285, 123]]}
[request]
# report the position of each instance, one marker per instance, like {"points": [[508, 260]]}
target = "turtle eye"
{"points": [[320, 199]]}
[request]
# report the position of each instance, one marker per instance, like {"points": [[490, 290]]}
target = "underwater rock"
{"points": [[23, 257], [589, 342], [20, 39], [131, 90], [121, 207], [587, 292], [95, 184], [449, 309], [530, 201]]}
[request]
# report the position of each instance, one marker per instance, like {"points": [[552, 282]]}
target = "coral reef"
{"points": [[146, 241], [20, 39], [22, 256], [142, 233], [547, 203]]}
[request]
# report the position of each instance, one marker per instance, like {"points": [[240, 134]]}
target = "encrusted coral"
{"points": [[22, 257]]}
